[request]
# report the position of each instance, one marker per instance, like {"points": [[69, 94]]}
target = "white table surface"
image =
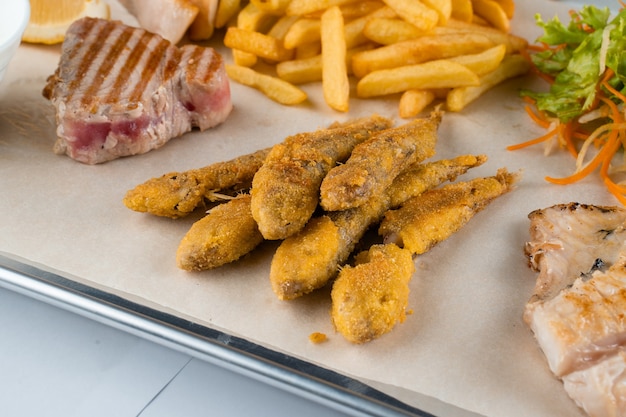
{"points": [[57, 363]]}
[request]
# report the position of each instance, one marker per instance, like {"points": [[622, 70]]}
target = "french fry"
{"points": [[419, 50], [335, 83], [462, 10], [257, 43], [442, 7], [276, 89], [513, 43], [354, 28], [300, 71], [415, 12], [226, 11], [477, 20], [202, 27], [413, 102], [389, 31], [411, 45], [254, 19], [511, 66], [308, 50], [362, 8], [301, 32], [244, 59], [432, 74], [281, 27], [483, 62], [306, 7], [508, 6], [353, 10], [277, 7], [492, 12]]}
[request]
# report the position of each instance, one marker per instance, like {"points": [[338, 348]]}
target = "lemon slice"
{"points": [[49, 20]]}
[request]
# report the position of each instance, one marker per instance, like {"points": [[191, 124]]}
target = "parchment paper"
{"points": [[465, 343]]}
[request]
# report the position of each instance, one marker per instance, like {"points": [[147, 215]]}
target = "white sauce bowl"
{"points": [[14, 16]]}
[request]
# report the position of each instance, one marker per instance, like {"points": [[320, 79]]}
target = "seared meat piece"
{"points": [[577, 309], [584, 323], [567, 240], [120, 90]]}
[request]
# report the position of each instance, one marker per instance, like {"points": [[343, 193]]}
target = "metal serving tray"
{"points": [[238, 355]]}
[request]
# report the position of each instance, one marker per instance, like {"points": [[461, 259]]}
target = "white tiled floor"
{"points": [[56, 363]]}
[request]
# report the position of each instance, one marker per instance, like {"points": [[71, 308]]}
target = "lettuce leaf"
{"points": [[574, 60]]}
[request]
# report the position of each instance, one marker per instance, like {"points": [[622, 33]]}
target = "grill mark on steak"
{"points": [[193, 63], [212, 67], [87, 61], [87, 28], [125, 69], [171, 66], [155, 56], [107, 64]]}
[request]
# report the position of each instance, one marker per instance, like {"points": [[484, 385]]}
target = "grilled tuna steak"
{"points": [[120, 90]]}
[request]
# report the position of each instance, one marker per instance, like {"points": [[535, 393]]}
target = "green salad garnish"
{"points": [[584, 63]]}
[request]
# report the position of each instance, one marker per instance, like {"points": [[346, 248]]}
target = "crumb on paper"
{"points": [[317, 337]]}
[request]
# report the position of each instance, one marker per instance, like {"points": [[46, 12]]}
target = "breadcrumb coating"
{"points": [[423, 221], [224, 235], [375, 163], [291, 272], [285, 190], [177, 194], [370, 298]]}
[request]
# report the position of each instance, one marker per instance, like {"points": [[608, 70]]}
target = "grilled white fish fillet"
{"points": [[578, 309], [567, 240], [600, 389], [584, 323]]}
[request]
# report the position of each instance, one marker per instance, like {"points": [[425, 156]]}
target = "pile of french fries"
{"points": [[420, 50]]}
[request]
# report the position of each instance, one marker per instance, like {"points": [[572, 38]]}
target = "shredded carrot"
{"points": [[567, 134], [608, 74], [618, 94], [540, 120], [533, 141], [605, 155], [615, 143]]}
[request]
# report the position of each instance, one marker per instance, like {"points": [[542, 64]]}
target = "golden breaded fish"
{"points": [[292, 273], [224, 235], [368, 299], [423, 221], [285, 190], [177, 194], [374, 164]]}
